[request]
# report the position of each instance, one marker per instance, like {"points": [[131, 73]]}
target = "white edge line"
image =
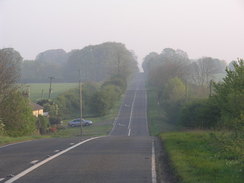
{"points": [[47, 160], [154, 176]]}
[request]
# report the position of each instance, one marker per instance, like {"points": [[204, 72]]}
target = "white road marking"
{"points": [[129, 132], [119, 124], [47, 160], [57, 151], [1, 179], [34, 162], [71, 143], [131, 112], [154, 176]]}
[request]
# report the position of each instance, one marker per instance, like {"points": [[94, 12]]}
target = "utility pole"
{"points": [[118, 64], [50, 88], [210, 88], [28, 91], [186, 91], [42, 93], [80, 86]]}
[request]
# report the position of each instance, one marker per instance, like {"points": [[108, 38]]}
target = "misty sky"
{"points": [[200, 27]]}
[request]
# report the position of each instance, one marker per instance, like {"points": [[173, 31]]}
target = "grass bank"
{"points": [[197, 157]]}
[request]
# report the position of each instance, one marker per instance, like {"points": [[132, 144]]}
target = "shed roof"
{"points": [[35, 106]]}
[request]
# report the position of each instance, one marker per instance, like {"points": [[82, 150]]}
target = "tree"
{"points": [[204, 69], [203, 113], [16, 114], [229, 96], [10, 61], [173, 97]]}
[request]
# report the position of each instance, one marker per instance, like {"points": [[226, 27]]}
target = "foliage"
{"points": [[2, 129], [10, 61], [229, 96], [17, 115], [97, 63], [42, 124], [53, 111], [201, 113], [69, 101], [110, 92], [173, 97], [157, 118]]}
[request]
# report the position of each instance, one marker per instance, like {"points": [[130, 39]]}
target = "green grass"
{"points": [[57, 88], [156, 116], [196, 158]]}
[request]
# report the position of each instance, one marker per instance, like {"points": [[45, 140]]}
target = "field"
{"points": [[41, 90]]}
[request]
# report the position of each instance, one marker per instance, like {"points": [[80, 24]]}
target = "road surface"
{"points": [[126, 155]]}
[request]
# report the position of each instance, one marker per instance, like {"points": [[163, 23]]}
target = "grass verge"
{"points": [[195, 157]]}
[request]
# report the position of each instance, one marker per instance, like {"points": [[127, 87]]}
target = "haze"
{"points": [[201, 28]]}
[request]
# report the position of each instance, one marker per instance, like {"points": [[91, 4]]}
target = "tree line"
{"points": [[192, 93], [96, 62]]}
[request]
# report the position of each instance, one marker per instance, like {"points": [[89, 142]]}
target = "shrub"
{"points": [[202, 113]]}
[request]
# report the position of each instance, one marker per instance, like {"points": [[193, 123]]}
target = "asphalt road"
{"points": [[125, 156]]}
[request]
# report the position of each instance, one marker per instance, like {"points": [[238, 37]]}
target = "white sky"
{"points": [[200, 27]]}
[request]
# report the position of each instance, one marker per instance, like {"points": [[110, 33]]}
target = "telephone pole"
{"points": [[80, 86], [210, 88], [50, 88]]}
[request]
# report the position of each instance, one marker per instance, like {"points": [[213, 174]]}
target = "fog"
{"points": [[201, 28]]}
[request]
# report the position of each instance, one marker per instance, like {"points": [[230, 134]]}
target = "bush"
{"points": [[202, 113], [42, 124], [229, 96], [17, 115], [2, 130]]}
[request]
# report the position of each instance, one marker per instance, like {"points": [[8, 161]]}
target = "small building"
{"points": [[36, 109]]}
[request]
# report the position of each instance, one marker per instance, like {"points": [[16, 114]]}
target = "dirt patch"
{"points": [[165, 171]]}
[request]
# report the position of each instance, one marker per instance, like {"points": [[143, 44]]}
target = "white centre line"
{"points": [[47, 160], [131, 112]]}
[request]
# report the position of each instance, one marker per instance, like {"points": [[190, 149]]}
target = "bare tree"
{"points": [[204, 69]]}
